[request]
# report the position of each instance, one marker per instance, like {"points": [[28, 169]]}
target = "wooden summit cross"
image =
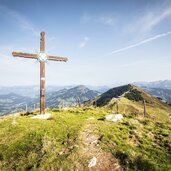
{"points": [[42, 57]]}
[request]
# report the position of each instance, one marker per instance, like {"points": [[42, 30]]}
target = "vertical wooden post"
{"points": [[78, 102], [26, 108], [117, 107], [62, 107], [42, 75], [95, 103], [144, 108]]}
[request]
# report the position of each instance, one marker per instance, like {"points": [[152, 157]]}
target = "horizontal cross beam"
{"points": [[24, 55], [35, 56], [56, 58]]}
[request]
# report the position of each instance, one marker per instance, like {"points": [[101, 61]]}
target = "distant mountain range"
{"points": [[33, 91], [164, 84], [10, 103], [30, 91], [165, 94], [160, 89], [69, 97], [13, 99]]}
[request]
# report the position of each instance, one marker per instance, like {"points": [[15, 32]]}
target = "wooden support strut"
{"points": [[144, 103], [42, 75]]}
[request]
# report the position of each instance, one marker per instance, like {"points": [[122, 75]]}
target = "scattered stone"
{"points": [[65, 108], [114, 117], [42, 116], [76, 146], [92, 162], [94, 142], [14, 122], [91, 118], [116, 166]]}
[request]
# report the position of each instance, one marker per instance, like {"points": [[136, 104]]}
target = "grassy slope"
{"points": [[138, 143]]}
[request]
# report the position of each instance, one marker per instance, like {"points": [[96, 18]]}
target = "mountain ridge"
{"points": [[165, 84], [12, 102], [129, 99]]}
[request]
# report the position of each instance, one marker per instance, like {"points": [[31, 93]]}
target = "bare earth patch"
{"points": [[103, 161]]}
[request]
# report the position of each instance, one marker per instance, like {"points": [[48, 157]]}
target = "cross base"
{"points": [[42, 116]]}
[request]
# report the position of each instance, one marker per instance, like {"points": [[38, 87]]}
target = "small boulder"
{"points": [[92, 162], [114, 117]]}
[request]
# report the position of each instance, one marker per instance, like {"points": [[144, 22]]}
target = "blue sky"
{"points": [[108, 42]]}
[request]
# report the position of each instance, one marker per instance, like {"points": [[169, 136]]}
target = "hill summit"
{"points": [[129, 99], [129, 91]]}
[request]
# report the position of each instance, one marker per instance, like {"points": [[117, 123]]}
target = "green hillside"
{"points": [[72, 137], [69, 97]]}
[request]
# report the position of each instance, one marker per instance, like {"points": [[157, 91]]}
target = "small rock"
{"points": [[14, 122], [91, 118], [76, 146], [94, 142], [114, 117], [65, 108], [92, 162]]}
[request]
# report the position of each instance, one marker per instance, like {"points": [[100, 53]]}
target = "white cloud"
{"points": [[141, 42], [84, 42], [19, 19]]}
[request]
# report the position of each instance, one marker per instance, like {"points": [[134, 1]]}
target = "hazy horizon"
{"points": [[74, 85]]}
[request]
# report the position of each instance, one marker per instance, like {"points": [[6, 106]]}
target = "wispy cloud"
{"points": [[20, 20], [109, 20], [85, 18], [141, 42], [147, 21], [51, 39], [103, 19], [84, 42], [4, 55], [153, 18]]}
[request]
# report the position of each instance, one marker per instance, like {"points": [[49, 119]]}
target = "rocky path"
{"points": [[98, 160]]}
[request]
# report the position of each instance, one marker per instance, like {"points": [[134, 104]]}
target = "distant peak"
{"points": [[129, 91], [81, 87], [132, 85]]}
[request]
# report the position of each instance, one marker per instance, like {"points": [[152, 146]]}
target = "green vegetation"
{"points": [[134, 95], [106, 97], [32, 144], [65, 140]]}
